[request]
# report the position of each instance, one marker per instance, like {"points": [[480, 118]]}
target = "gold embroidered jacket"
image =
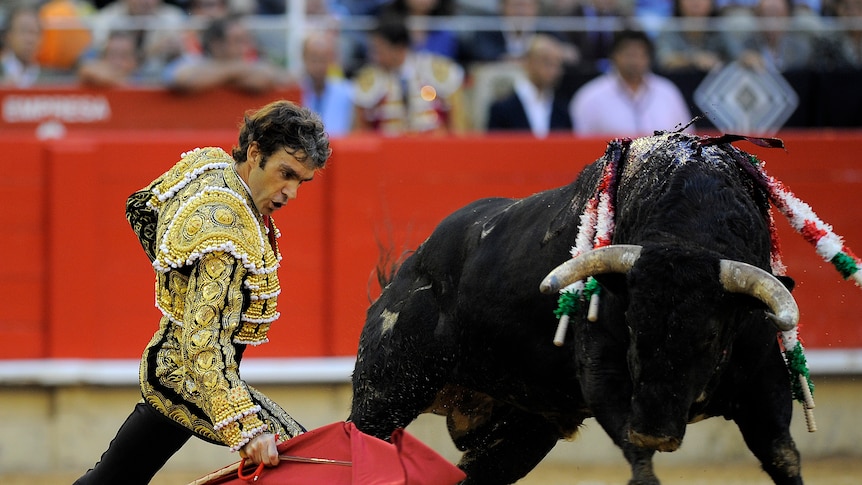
{"points": [[216, 286], [416, 99]]}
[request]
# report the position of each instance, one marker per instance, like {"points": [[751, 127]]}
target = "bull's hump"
{"points": [[664, 153], [675, 146]]}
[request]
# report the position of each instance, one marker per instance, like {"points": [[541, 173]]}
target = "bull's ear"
{"points": [[612, 282], [787, 281]]}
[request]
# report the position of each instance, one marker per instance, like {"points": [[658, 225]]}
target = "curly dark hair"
{"points": [[441, 8], [284, 125], [392, 27], [632, 35]]}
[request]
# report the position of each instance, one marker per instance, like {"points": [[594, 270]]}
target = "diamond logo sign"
{"points": [[738, 99]]}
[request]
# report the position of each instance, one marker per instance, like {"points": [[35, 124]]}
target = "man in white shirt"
{"points": [[533, 106], [629, 100]]}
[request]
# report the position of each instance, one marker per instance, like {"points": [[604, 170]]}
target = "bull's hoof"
{"points": [[658, 443], [645, 481]]}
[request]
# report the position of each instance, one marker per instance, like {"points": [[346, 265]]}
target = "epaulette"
{"points": [[213, 219], [441, 72], [370, 86], [192, 164]]}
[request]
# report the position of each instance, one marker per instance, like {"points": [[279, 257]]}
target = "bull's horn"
{"points": [[739, 277], [610, 259]]}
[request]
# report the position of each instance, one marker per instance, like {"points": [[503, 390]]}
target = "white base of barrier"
{"points": [[121, 372], [318, 370]]}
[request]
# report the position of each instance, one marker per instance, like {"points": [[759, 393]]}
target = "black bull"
{"points": [[463, 330]]}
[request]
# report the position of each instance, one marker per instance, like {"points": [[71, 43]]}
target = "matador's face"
{"points": [[274, 180]]}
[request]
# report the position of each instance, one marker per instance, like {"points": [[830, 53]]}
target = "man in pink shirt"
{"points": [[629, 100]]}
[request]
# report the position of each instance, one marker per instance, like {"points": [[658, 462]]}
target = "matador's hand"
{"points": [[261, 449]]}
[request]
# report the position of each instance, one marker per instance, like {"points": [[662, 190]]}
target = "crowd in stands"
{"points": [[410, 66]]}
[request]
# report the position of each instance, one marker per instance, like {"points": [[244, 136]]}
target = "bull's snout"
{"points": [[658, 443]]}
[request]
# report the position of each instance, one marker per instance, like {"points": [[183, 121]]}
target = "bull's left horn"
{"points": [[739, 277], [610, 259]]}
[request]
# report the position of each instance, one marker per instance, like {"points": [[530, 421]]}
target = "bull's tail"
{"points": [[386, 267]]}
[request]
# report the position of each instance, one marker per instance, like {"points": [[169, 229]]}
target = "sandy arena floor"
{"points": [[836, 471]]}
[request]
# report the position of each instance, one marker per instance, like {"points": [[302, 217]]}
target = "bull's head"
{"points": [[735, 277], [680, 326]]}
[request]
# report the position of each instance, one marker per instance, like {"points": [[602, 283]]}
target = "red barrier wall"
{"points": [[824, 170], [76, 283], [101, 292], [77, 108], [23, 220]]}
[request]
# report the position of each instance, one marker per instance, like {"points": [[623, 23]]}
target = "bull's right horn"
{"points": [[739, 277], [610, 259]]}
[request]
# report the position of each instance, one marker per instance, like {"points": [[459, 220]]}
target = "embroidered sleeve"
{"points": [[143, 218], [213, 310]]}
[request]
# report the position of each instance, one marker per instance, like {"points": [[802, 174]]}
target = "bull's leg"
{"points": [[612, 411], [769, 439], [404, 357], [639, 459], [506, 447], [379, 410], [763, 417], [764, 405], [607, 387]]}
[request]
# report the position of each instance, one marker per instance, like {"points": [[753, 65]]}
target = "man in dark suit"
{"points": [[533, 106]]}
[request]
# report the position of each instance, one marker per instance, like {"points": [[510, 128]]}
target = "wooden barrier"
{"points": [[76, 283]]}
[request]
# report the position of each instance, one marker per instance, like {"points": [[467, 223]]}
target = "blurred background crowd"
{"points": [[622, 67]]}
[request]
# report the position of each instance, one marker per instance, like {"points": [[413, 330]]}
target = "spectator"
{"points": [[698, 47], [319, 15], [156, 25], [312, 7], [63, 44], [116, 65], [594, 43], [402, 91], [629, 100], [324, 90], [738, 18], [519, 23], [478, 7], [208, 9], [441, 42], [533, 105], [201, 13], [748, 7], [22, 35], [331, 15], [743, 8], [224, 62], [363, 7], [841, 49], [774, 46], [653, 9]]}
